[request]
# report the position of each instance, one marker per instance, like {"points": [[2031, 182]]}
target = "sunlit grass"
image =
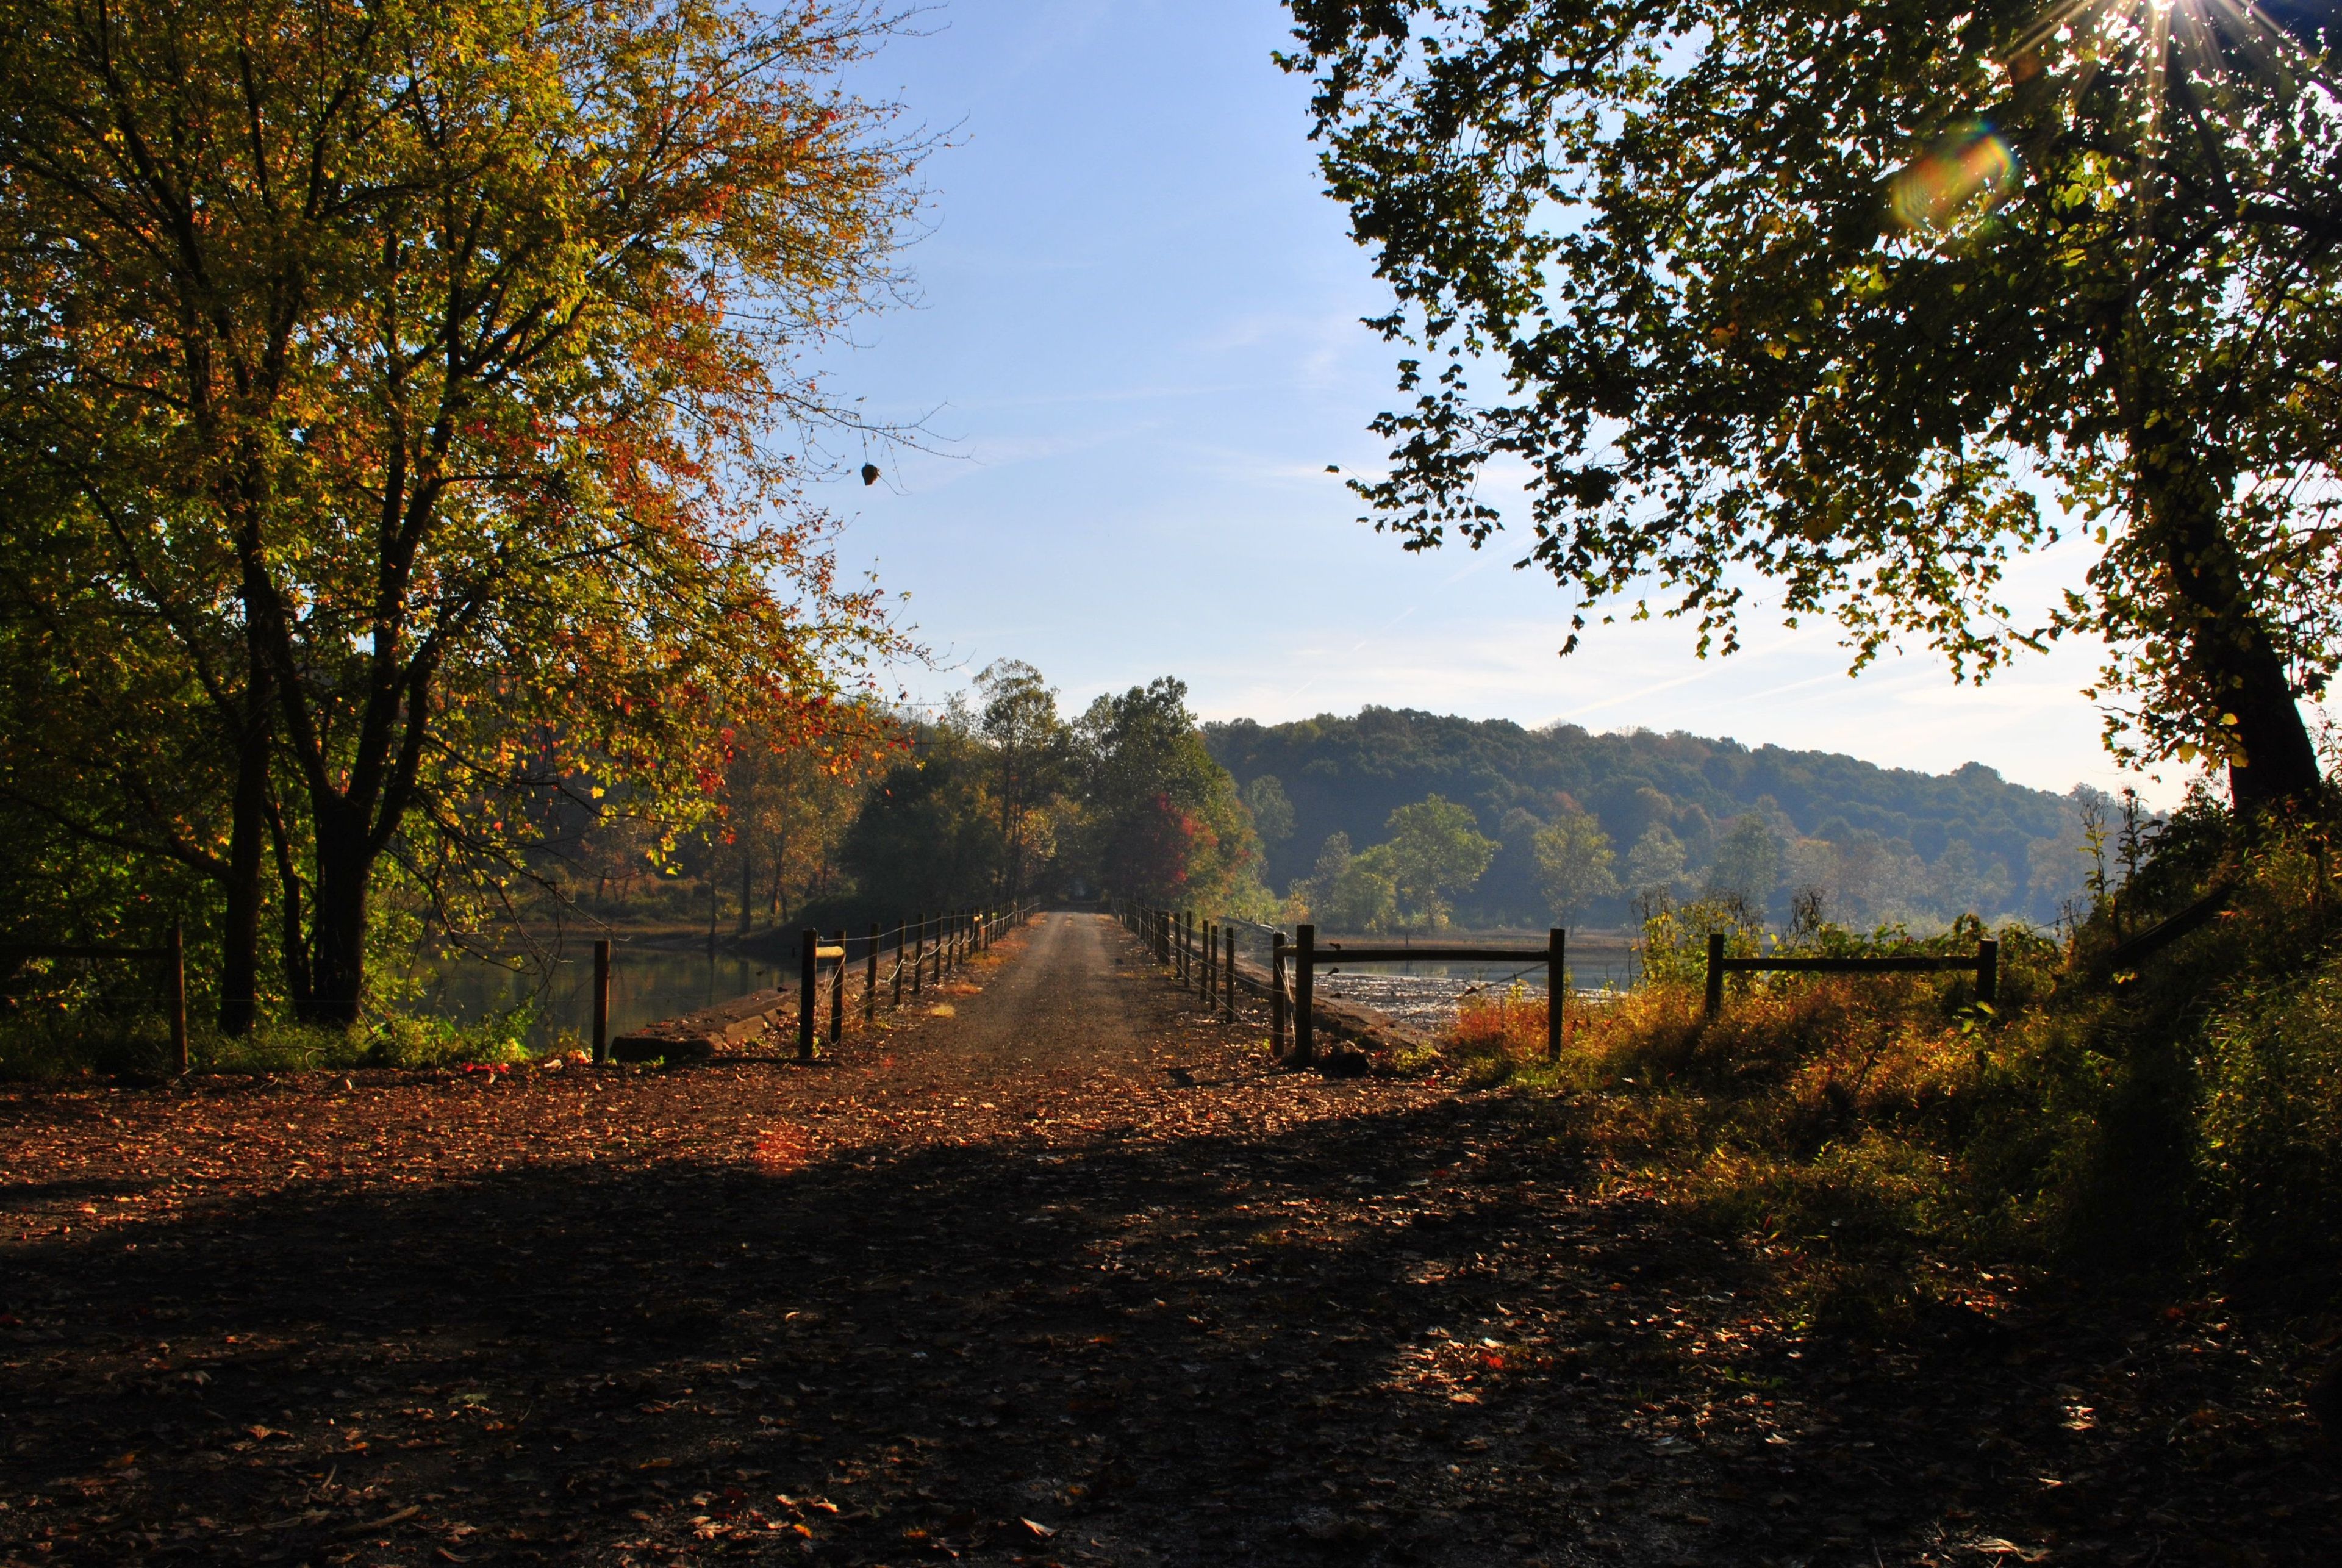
{"points": [[1871, 1129]]}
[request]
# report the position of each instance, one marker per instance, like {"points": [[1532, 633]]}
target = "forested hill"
{"points": [[1881, 843]]}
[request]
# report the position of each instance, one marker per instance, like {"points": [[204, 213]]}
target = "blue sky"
{"points": [[1136, 348]]}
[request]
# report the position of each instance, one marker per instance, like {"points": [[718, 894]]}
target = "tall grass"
{"points": [[2187, 1115]]}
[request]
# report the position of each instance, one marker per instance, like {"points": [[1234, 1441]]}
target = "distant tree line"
{"points": [[1569, 825], [995, 797]]}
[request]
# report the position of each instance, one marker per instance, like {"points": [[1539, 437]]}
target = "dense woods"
{"points": [[1587, 824], [1388, 819], [990, 799]]}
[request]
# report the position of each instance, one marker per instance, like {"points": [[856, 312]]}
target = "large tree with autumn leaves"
{"points": [[411, 411], [1835, 294]]}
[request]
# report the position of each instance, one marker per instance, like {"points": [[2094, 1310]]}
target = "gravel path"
{"points": [[1057, 1269]]}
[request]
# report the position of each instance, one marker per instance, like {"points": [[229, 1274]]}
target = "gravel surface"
{"points": [[1057, 1269]]}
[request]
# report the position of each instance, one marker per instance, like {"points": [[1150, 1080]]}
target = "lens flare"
{"points": [[1971, 161], [2156, 42]]}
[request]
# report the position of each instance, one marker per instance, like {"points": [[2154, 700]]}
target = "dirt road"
{"points": [[1066, 1273]]}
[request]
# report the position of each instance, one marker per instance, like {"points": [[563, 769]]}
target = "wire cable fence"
{"points": [[906, 960], [1203, 952]]}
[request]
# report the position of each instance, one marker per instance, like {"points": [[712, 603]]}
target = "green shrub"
{"points": [[2271, 1154], [436, 1043], [52, 1042]]}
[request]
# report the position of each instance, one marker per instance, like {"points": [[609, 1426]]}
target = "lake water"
{"points": [[1425, 995], [648, 984]]}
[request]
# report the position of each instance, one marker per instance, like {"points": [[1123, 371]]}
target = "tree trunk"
{"points": [[338, 931], [747, 887], [240, 933], [292, 941], [2230, 663]]}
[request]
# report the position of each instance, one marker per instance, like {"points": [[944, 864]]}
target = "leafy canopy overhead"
{"points": [[1833, 294]]}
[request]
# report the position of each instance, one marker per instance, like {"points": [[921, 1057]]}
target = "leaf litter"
{"points": [[1002, 1287]]}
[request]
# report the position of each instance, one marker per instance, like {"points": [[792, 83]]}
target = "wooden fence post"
{"points": [[1229, 972], [175, 983], [1211, 957], [1276, 994], [901, 941], [601, 1001], [838, 992], [808, 1003], [1556, 989], [1988, 984], [870, 977], [1715, 972], [1304, 990], [918, 950]]}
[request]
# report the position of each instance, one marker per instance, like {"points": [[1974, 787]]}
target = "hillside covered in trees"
{"points": [[1389, 819], [993, 798], [1675, 812]]}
